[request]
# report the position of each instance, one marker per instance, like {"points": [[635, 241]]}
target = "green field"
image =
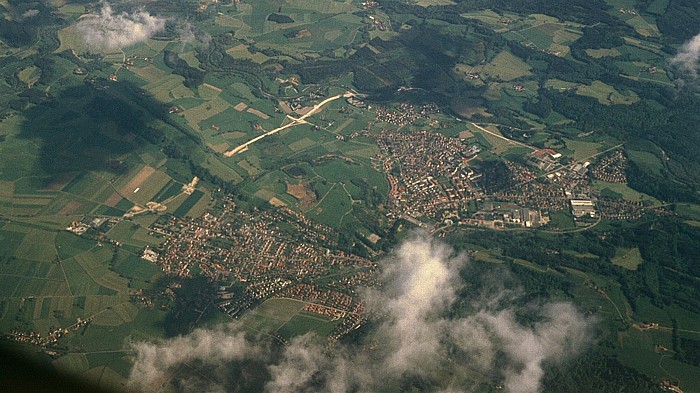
{"points": [[561, 220], [133, 234], [286, 318], [497, 145], [582, 150], [626, 192], [503, 67], [628, 258], [188, 204]]}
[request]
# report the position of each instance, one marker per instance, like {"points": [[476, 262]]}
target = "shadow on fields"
{"points": [[415, 66], [89, 127]]}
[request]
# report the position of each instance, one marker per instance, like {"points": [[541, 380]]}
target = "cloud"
{"points": [[301, 361], [30, 13], [209, 346], [421, 333], [110, 30], [561, 333], [688, 57], [189, 34], [421, 282]]}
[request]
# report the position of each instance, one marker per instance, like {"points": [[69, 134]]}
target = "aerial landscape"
{"points": [[350, 196]]}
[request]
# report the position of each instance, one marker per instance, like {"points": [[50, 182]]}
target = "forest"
{"points": [[193, 76]]}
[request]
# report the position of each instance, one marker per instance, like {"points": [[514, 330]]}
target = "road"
{"points": [[295, 122], [497, 135]]}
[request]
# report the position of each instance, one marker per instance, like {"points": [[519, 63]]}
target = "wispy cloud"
{"points": [[415, 336], [110, 30], [688, 57], [30, 13], [189, 34]]}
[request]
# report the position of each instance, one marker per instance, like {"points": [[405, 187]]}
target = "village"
{"points": [[275, 252]]}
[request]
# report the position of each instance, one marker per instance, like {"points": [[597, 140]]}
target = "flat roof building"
{"points": [[582, 207]]}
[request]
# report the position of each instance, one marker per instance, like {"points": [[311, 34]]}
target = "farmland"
{"points": [[347, 124]]}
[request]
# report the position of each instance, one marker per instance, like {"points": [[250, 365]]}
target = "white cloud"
{"points": [[211, 346], [688, 57], [110, 30], [413, 335], [300, 362], [421, 280], [561, 333]]}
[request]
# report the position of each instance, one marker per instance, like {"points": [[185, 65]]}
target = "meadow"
{"points": [[287, 319]]}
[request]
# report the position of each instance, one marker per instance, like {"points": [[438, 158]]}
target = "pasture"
{"points": [[626, 192], [581, 149], [605, 94], [604, 52], [639, 351], [205, 110], [133, 234], [188, 204], [503, 67], [630, 258], [499, 22], [287, 318], [648, 161], [65, 276]]}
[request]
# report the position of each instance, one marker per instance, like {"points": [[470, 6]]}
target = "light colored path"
{"points": [[502, 137], [295, 122]]}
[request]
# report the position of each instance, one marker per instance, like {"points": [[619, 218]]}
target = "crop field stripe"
{"points": [[188, 204]]}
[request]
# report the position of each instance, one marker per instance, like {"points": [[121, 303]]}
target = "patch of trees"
{"points": [[279, 18], [680, 21], [583, 71], [495, 176], [154, 108], [17, 34], [97, 63], [542, 106], [538, 283], [293, 33], [193, 76], [596, 372], [660, 186], [47, 66], [689, 351], [29, 96], [21, 31], [603, 36], [421, 57], [194, 302], [214, 58], [129, 119], [668, 247]]}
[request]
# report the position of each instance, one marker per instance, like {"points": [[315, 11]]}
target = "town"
{"points": [[437, 181], [275, 252]]}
